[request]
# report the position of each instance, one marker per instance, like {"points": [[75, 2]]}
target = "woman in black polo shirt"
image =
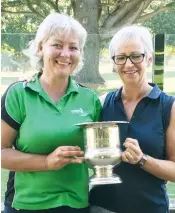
{"points": [[148, 142]]}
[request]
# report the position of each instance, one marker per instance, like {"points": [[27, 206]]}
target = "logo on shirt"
{"points": [[79, 112]]}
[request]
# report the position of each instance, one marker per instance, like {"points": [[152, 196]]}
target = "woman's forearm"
{"points": [[15, 160], [163, 169]]}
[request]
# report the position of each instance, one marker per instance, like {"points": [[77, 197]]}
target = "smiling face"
{"points": [[129, 72], [61, 54]]}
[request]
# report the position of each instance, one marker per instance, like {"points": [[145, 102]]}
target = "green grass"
{"points": [[101, 91], [171, 93], [171, 190], [4, 177]]}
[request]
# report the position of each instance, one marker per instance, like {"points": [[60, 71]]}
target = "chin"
{"points": [[131, 82], [63, 73]]}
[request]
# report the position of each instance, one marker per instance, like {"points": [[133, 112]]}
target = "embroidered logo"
{"points": [[79, 112]]}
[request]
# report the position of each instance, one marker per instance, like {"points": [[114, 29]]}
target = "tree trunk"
{"points": [[87, 13]]}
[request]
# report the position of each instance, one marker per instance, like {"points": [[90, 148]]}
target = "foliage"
{"points": [[163, 23], [24, 16], [101, 18]]}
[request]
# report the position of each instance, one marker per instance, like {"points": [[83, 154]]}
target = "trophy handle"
{"points": [[80, 158]]}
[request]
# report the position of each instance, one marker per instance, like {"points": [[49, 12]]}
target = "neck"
{"points": [[54, 84], [135, 92]]}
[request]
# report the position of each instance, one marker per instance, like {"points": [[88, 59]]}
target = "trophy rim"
{"points": [[101, 124]]}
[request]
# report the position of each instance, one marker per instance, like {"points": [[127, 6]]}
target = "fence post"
{"points": [[158, 67]]}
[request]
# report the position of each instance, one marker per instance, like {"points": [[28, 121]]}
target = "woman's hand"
{"points": [[133, 153], [62, 156]]}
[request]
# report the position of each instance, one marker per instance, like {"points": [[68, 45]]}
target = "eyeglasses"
{"points": [[134, 58]]}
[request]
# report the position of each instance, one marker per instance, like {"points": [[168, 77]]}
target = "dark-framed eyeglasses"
{"points": [[134, 58]]}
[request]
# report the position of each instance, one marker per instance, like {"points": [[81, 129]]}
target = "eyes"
{"points": [[135, 58], [123, 57], [60, 46]]}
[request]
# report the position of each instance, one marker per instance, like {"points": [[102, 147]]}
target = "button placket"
{"points": [[60, 105], [59, 108]]}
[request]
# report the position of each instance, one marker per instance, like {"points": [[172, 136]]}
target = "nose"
{"points": [[65, 52], [129, 62]]}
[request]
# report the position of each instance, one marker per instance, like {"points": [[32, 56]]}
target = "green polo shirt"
{"points": [[43, 126]]}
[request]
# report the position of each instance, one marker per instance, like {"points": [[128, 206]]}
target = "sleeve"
{"points": [[98, 108], [11, 107]]}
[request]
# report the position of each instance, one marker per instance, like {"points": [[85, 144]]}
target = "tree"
{"points": [[101, 18], [163, 23]]}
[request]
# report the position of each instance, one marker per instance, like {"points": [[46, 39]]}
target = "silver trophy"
{"points": [[102, 152]]}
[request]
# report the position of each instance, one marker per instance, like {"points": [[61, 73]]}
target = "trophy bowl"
{"points": [[102, 152]]}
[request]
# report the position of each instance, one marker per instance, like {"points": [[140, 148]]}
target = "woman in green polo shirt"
{"points": [[39, 136]]}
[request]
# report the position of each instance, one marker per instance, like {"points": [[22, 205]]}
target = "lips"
{"points": [[62, 63], [130, 72]]}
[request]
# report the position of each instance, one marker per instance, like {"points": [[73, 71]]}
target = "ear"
{"points": [[40, 48], [114, 69], [149, 61]]}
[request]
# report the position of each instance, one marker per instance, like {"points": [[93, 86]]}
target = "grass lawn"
{"points": [[171, 190]]}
